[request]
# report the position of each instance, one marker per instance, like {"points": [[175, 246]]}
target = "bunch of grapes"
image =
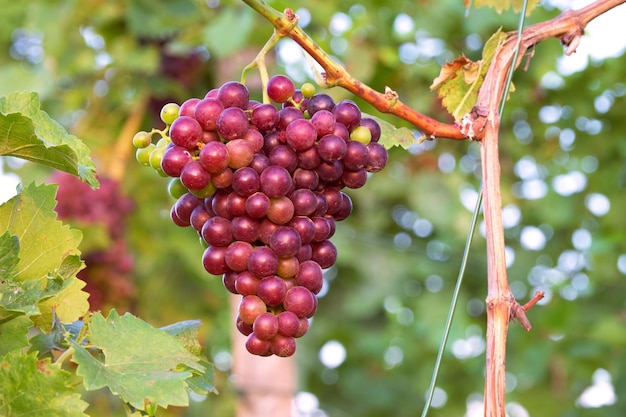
{"points": [[262, 185]]}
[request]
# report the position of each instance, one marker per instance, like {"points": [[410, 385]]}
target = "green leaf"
{"points": [[66, 306], [45, 242], [219, 36], [459, 80], [150, 367], [24, 297], [36, 388], [9, 255], [28, 132], [391, 136], [14, 333]]}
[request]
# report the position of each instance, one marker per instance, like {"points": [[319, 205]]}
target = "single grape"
{"points": [[301, 134], [272, 290], [169, 113], [156, 156], [236, 204], [320, 102], [305, 178], [233, 94], [240, 153], [245, 228], [214, 157], [304, 226], [280, 88], [309, 159], [177, 220], [245, 181], [347, 113], [275, 181], [213, 260], [265, 326], [232, 123], [185, 205], [222, 179], [300, 301], [246, 283], [255, 139], [324, 122], [265, 117], [377, 157], [266, 229], [198, 217], [356, 155], [310, 276], [354, 179], [308, 90], [259, 162], [331, 148], [263, 262], [142, 139], [174, 159], [237, 255], [143, 154], [285, 242], [288, 267], [216, 231], [283, 346], [228, 279], [259, 347], [186, 132], [322, 228], [333, 199], [194, 177], [251, 307], [361, 134], [257, 205], [281, 210], [243, 328], [188, 107], [329, 171], [288, 323], [304, 202], [175, 188], [207, 112], [324, 253], [284, 156], [288, 115]]}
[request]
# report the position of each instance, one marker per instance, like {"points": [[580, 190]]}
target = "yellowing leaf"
{"points": [[69, 305], [459, 81]]}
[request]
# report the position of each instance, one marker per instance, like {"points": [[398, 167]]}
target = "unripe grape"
{"points": [[142, 139], [143, 154], [308, 90], [169, 113]]}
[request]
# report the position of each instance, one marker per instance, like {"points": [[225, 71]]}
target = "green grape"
{"points": [[205, 192], [308, 90], [175, 188], [142, 139], [169, 113], [163, 142], [143, 154], [155, 157], [361, 134]]}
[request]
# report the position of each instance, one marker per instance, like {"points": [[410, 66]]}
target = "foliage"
{"points": [[389, 293], [41, 299]]}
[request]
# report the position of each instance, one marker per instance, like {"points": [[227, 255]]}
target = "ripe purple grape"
{"points": [[320, 102], [300, 301], [275, 181], [280, 88], [263, 262], [174, 160], [216, 231], [186, 132], [265, 117], [265, 326], [310, 276], [213, 260], [245, 181], [301, 134], [347, 113], [213, 157], [233, 94], [232, 123], [257, 205], [377, 157], [272, 290], [285, 242], [324, 253], [246, 283], [283, 346], [194, 177], [237, 255], [331, 148], [207, 112], [251, 307]]}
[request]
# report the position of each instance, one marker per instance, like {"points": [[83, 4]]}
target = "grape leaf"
{"points": [[150, 368], [14, 333], [459, 81], [28, 132], [24, 297], [9, 255], [391, 136], [45, 242], [36, 388], [504, 5], [68, 305]]}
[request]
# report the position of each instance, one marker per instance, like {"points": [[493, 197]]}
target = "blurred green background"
{"points": [[105, 68]]}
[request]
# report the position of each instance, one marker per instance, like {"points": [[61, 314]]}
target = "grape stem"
{"points": [[285, 24], [259, 62]]}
